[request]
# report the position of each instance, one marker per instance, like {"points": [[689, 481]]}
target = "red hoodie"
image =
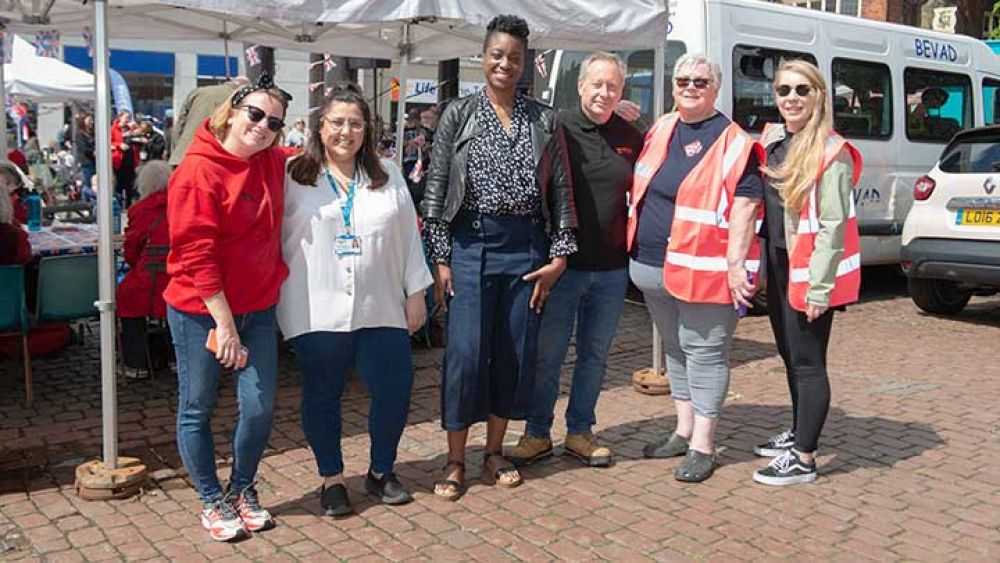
{"points": [[225, 227]]}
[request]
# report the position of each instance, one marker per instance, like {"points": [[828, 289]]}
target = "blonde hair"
{"points": [[795, 177], [6, 208], [153, 177], [219, 123]]}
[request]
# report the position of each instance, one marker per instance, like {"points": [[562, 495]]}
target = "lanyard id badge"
{"points": [[346, 244]]}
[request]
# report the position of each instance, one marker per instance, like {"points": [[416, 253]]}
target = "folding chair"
{"points": [[14, 318]]}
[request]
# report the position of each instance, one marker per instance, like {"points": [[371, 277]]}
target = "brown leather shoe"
{"points": [[528, 450], [586, 449]]}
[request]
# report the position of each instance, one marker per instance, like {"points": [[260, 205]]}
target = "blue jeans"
{"points": [[198, 375], [383, 361], [594, 301]]}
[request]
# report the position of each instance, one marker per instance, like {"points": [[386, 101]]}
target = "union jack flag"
{"points": [[7, 55], [328, 62], [47, 43], [314, 85], [253, 59], [88, 40], [540, 65], [417, 173]]}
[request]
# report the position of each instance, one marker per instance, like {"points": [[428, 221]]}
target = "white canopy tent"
{"points": [[44, 79], [395, 29]]}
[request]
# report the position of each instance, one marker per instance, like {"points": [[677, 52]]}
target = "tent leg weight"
{"points": [[94, 481], [648, 382]]}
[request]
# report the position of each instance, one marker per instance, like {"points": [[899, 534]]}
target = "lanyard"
{"points": [[349, 204]]}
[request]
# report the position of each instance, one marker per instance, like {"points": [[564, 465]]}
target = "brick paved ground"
{"points": [[910, 464]]}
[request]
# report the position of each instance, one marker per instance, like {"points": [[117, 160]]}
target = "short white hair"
{"points": [[689, 61], [601, 56], [153, 177]]}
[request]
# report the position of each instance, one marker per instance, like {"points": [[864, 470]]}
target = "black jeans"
{"points": [[802, 346]]}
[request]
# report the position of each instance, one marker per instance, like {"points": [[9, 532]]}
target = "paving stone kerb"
{"points": [[910, 463]]}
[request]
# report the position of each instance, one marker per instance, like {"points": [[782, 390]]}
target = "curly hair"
{"points": [[510, 24]]}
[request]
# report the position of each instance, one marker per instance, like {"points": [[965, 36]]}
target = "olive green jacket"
{"points": [[834, 194]]}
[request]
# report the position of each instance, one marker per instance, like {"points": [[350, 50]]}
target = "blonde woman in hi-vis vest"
{"points": [[695, 194], [813, 257]]}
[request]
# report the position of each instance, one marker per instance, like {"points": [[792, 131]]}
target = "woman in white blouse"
{"points": [[355, 291]]}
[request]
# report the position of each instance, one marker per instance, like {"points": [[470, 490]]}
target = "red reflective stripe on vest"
{"points": [[695, 268]]}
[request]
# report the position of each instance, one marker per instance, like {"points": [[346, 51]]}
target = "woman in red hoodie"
{"points": [[140, 293], [225, 203]]}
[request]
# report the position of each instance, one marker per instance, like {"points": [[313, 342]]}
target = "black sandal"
{"points": [[504, 466], [455, 488]]}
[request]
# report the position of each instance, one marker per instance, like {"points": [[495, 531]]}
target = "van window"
{"points": [[991, 102], [972, 154], [938, 104], [862, 99], [753, 79], [639, 82]]}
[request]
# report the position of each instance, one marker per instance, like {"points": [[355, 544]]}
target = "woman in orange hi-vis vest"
{"points": [[695, 194], [813, 257]]}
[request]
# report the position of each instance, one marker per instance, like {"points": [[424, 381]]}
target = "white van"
{"points": [[900, 92]]}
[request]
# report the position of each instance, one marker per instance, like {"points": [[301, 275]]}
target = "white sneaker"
{"points": [[222, 522], [135, 373]]}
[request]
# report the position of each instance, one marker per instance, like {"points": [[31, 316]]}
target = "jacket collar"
{"points": [[775, 134]]}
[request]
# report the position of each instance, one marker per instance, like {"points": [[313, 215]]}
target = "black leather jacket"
{"points": [[446, 178]]}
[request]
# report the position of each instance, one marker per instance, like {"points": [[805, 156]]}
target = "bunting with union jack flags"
{"points": [[253, 59], [47, 43]]}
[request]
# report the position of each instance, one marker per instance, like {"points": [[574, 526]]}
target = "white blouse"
{"points": [[326, 292]]}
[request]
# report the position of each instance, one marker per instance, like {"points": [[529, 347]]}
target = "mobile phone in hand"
{"points": [[212, 345]]}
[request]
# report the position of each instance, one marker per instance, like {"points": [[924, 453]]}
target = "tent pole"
{"points": [[106, 254], [3, 98], [225, 49], [659, 106], [404, 62]]}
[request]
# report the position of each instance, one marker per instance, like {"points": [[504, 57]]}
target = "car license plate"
{"points": [[978, 217]]}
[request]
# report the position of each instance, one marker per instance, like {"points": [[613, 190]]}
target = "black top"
{"points": [[688, 145], [601, 160], [83, 147], [774, 208]]}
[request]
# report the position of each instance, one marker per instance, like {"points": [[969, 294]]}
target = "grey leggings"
{"points": [[697, 338]]}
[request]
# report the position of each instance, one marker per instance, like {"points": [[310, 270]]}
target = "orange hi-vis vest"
{"points": [[847, 283], [695, 267]]}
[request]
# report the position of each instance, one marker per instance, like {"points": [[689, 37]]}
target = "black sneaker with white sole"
{"points": [[786, 469], [776, 445]]}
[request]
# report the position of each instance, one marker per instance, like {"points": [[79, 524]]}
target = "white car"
{"points": [[951, 238]]}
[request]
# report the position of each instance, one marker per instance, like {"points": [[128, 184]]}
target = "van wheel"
{"points": [[937, 296]]}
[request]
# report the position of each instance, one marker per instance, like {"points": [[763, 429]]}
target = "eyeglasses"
{"points": [[255, 115], [802, 90], [685, 81], [352, 125]]}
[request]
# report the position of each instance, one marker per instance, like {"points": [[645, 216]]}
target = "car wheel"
{"points": [[937, 296]]}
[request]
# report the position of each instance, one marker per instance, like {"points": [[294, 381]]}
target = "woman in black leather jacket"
{"points": [[499, 222]]}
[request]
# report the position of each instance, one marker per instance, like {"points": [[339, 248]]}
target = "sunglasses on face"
{"points": [[802, 90], [255, 114], [699, 83], [339, 124]]}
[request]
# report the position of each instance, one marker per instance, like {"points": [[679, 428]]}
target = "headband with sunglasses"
{"points": [[802, 90], [264, 82]]}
